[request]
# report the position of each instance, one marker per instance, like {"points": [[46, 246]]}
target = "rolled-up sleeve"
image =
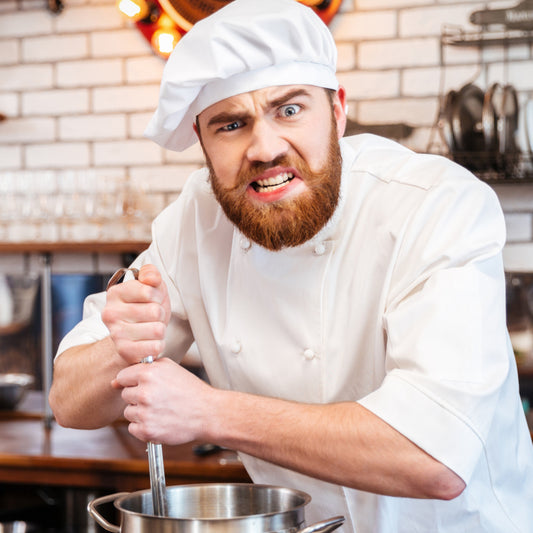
{"points": [[90, 329]]}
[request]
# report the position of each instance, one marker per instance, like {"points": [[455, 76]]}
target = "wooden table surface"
{"points": [[106, 458]]}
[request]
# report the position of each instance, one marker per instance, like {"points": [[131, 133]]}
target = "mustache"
{"points": [[256, 168]]}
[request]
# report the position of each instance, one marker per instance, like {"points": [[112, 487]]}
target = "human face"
{"points": [[275, 162]]}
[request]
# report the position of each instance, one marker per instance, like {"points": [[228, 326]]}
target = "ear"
{"points": [[339, 109], [196, 128]]}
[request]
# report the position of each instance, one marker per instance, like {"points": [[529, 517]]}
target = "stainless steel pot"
{"points": [[214, 508]]}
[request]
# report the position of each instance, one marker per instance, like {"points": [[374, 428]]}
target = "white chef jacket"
{"points": [[398, 303]]}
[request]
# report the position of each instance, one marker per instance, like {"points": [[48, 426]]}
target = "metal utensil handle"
{"points": [[157, 471], [157, 479], [155, 451]]}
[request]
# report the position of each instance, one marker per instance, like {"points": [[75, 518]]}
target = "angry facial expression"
{"points": [[274, 161]]}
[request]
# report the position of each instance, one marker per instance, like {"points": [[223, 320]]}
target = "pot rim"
{"points": [[306, 498]]}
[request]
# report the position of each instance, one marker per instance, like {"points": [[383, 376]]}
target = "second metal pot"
{"points": [[214, 508]]}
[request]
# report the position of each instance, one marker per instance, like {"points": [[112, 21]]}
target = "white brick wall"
{"points": [[27, 130], [398, 53], [126, 153], [55, 102], [9, 52], [25, 23], [424, 21], [25, 77], [93, 127], [89, 73], [58, 155], [365, 25], [78, 89], [125, 99], [54, 48]]}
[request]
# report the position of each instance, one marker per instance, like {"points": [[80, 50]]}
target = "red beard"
{"points": [[289, 222]]}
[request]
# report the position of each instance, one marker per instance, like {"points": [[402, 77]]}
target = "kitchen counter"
{"points": [[108, 458]]}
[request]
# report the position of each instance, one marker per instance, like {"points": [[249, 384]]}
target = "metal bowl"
{"points": [[17, 301], [13, 387], [16, 527]]}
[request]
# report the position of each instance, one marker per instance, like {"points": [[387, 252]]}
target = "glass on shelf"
{"points": [[48, 206], [43, 208], [8, 211], [141, 206]]}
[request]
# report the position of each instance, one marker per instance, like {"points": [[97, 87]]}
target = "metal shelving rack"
{"points": [[458, 36], [511, 169]]}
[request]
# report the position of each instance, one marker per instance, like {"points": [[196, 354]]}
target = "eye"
{"points": [[290, 110], [236, 124]]}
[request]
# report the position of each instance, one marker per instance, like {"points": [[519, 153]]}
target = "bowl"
{"points": [[17, 301], [13, 387], [17, 526]]}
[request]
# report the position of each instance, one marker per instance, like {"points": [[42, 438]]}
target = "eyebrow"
{"points": [[284, 98], [225, 117]]}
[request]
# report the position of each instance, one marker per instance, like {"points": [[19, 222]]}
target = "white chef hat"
{"points": [[245, 46]]}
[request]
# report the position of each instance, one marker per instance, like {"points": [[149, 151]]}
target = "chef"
{"points": [[346, 296]]}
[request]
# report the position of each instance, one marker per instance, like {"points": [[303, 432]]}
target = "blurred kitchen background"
{"points": [[79, 185], [78, 83]]}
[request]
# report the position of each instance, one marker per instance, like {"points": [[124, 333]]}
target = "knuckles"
{"points": [[154, 312], [159, 330], [109, 315]]}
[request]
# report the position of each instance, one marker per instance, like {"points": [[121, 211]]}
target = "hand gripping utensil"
{"points": [[155, 451]]}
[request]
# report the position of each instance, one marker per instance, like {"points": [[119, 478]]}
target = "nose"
{"points": [[266, 143]]}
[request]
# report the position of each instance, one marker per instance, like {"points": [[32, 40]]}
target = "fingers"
{"points": [[136, 314], [140, 427], [149, 275], [135, 340], [141, 432], [122, 313], [144, 331], [141, 394], [135, 352], [148, 287], [139, 375], [134, 291], [165, 402]]}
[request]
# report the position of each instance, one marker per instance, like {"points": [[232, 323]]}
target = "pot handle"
{"points": [[323, 527], [91, 508]]}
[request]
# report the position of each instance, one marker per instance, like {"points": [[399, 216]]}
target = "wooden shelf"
{"points": [[73, 247]]}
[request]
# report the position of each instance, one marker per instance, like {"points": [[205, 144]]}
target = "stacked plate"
{"points": [[525, 128], [486, 130]]}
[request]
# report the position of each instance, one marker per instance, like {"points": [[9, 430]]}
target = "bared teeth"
{"points": [[270, 184]]}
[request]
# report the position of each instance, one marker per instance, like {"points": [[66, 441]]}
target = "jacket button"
{"points": [[236, 347], [245, 244], [320, 249], [309, 354]]}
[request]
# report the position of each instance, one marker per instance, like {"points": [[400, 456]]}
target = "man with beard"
{"points": [[346, 298]]}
